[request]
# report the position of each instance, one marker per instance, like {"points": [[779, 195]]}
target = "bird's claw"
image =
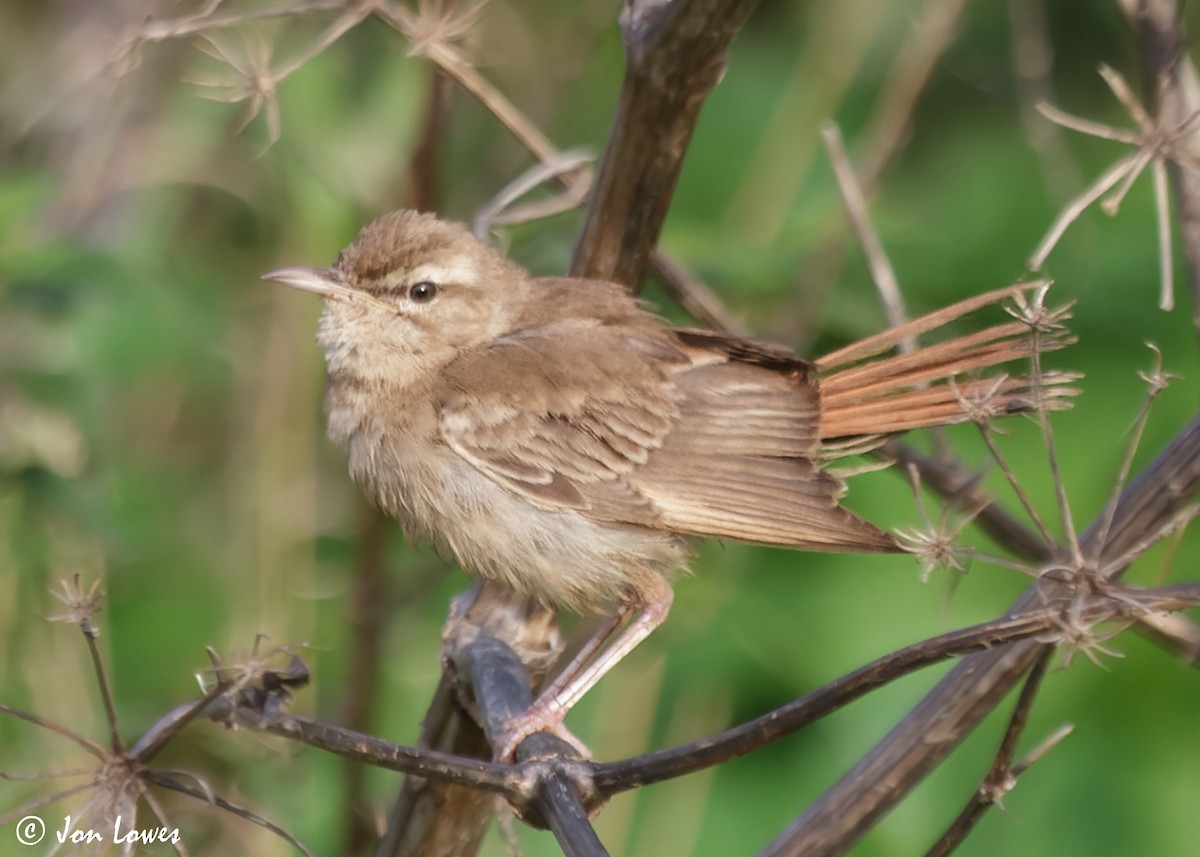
{"points": [[541, 716]]}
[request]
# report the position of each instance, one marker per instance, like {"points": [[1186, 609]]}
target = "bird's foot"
{"points": [[544, 715]]}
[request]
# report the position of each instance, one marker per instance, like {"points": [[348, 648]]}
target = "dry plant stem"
{"points": [[694, 295], [160, 814], [1156, 382], [999, 776], [993, 793], [502, 685], [1172, 83], [90, 746], [110, 712], [500, 779], [173, 784], [46, 800], [348, 20], [500, 210], [886, 132], [500, 675], [614, 777], [904, 83], [1078, 205], [1158, 140], [1060, 489], [1175, 633], [192, 25], [153, 740], [882, 272], [973, 687], [961, 488], [451, 61], [503, 689], [7, 777], [567, 819], [989, 440], [432, 818], [1111, 204], [1162, 215], [675, 52], [370, 608]]}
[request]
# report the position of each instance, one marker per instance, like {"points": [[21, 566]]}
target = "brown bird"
{"points": [[561, 440]]}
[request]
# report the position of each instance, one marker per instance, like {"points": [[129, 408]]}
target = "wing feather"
{"points": [[645, 426]]}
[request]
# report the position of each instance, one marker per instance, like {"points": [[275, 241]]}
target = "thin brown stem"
{"points": [[882, 272], [1001, 776], [951, 711]]}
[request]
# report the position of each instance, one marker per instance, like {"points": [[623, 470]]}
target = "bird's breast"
{"points": [[560, 557]]}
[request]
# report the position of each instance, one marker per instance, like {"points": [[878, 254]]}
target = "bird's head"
{"points": [[408, 294]]}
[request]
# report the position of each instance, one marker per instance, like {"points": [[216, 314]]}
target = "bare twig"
{"points": [[884, 136], [1002, 775], [987, 432], [882, 272], [1158, 140], [613, 777], [1172, 81], [1156, 381], [962, 488], [369, 611], [433, 818], [47, 800], [972, 688], [675, 52], [453, 63], [167, 782], [368, 749], [499, 210], [1175, 633], [354, 14], [694, 295], [903, 84], [1033, 61]]}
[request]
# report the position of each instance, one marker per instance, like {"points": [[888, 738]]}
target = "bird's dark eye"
{"points": [[422, 292]]}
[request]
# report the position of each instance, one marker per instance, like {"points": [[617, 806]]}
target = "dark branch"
{"points": [[675, 53], [994, 783], [943, 719], [613, 777]]}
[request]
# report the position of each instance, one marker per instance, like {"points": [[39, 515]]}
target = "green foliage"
{"points": [[160, 409]]}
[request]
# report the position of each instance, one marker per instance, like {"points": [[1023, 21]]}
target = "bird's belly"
{"points": [[560, 557]]}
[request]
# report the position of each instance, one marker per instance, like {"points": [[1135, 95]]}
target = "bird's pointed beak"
{"points": [[326, 282]]}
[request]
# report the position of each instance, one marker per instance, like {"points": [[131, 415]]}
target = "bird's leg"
{"points": [[648, 610]]}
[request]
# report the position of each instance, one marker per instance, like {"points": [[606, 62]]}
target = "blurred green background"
{"points": [[161, 427]]}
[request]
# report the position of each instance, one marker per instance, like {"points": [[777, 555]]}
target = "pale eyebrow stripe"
{"points": [[460, 269]]}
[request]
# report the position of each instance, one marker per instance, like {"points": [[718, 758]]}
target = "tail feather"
{"points": [[893, 336], [936, 384], [981, 349]]}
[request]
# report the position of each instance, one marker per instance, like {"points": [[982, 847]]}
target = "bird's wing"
{"points": [[740, 461], [676, 430], [555, 411]]}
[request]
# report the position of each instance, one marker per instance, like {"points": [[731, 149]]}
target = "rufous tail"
{"points": [[866, 395]]}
